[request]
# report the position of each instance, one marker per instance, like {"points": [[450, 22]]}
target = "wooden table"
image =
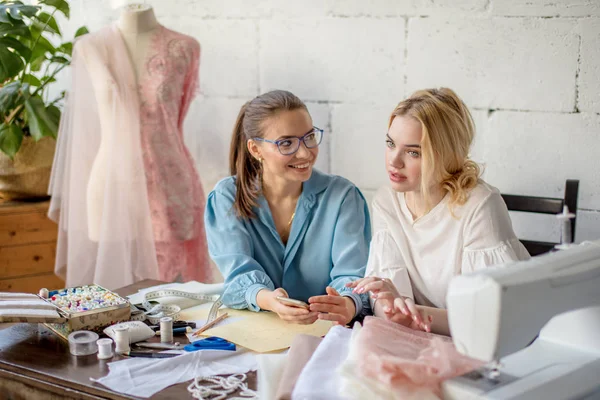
{"points": [[36, 364]]}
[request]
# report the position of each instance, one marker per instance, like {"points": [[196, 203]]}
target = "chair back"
{"points": [[545, 205]]}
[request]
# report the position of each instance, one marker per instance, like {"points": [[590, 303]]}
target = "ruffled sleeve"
{"points": [[230, 247], [385, 257], [386, 261], [489, 237]]}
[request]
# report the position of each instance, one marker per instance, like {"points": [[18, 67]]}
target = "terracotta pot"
{"points": [[27, 176]]}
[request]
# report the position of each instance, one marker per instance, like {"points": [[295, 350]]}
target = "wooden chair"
{"points": [[545, 205]]}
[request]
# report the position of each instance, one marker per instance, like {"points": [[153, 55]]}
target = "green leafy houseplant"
{"points": [[29, 62]]}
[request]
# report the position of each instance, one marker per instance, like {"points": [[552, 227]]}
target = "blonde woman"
{"points": [[437, 219]]}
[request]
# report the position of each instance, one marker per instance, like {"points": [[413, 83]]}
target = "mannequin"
{"points": [[130, 200], [137, 24]]}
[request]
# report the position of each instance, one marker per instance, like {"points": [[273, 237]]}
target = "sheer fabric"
{"points": [[148, 202], [404, 362]]}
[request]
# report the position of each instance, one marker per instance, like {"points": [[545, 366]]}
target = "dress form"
{"points": [[137, 24], [130, 199]]}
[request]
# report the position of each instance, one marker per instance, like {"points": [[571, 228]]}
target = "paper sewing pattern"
{"points": [[261, 332]]}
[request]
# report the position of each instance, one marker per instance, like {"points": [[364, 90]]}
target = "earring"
{"points": [[260, 160]]}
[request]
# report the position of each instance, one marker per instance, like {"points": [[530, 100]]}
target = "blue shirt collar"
{"points": [[315, 184]]}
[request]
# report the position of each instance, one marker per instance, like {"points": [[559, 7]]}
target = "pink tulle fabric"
{"points": [[400, 357], [143, 219]]}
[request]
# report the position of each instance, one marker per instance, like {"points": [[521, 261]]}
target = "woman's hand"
{"points": [[333, 307], [374, 285], [267, 300], [390, 304], [401, 310]]}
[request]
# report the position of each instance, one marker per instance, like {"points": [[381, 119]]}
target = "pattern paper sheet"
{"points": [[257, 331]]}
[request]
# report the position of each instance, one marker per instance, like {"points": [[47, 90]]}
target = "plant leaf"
{"points": [[81, 31], [59, 60], [4, 15], [8, 96], [54, 113], [36, 64], [32, 80], [66, 48], [16, 11], [11, 137], [41, 48], [47, 79], [46, 22], [60, 5], [10, 64], [41, 122], [17, 30], [16, 45]]}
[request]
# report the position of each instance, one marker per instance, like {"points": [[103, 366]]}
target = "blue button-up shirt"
{"points": [[328, 244]]}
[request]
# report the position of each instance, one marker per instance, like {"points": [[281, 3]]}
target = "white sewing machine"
{"points": [[496, 314]]}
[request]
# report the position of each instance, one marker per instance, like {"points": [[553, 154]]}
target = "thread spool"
{"points": [[104, 348], [121, 339], [166, 330], [83, 343]]}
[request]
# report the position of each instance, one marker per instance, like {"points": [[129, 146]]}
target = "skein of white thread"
{"points": [[122, 339], [166, 330], [104, 348]]}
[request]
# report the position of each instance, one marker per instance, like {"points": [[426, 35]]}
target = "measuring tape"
{"points": [[154, 313]]}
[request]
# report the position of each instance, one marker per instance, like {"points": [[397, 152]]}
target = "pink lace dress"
{"points": [[175, 194]]}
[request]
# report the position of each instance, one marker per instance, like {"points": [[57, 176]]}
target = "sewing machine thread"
{"points": [[104, 348], [166, 330], [121, 339]]}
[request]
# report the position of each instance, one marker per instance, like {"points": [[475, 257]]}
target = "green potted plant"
{"points": [[30, 60]]}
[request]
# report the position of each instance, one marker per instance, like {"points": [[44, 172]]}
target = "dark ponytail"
{"points": [[248, 125]]}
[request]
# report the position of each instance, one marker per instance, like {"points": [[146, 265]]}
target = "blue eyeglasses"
{"points": [[289, 146]]}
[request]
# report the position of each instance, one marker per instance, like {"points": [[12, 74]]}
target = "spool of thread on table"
{"points": [[166, 330], [121, 339], [104, 348], [44, 293]]}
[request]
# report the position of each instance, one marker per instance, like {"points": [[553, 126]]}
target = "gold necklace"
{"points": [[289, 228]]}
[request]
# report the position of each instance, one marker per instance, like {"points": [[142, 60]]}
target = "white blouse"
{"points": [[421, 256]]}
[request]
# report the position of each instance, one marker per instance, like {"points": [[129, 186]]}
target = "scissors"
{"points": [[210, 343]]}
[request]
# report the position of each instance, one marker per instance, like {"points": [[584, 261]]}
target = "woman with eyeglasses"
{"points": [[437, 218], [278, 228]]}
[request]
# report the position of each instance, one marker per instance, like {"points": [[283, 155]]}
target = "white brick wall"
{"points": [[529, 70]]}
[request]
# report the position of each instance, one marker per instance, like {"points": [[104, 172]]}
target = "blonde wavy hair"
{"points": [[448, 131]]}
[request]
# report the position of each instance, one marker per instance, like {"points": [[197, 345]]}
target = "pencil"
{"points": [[210, 324]]}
